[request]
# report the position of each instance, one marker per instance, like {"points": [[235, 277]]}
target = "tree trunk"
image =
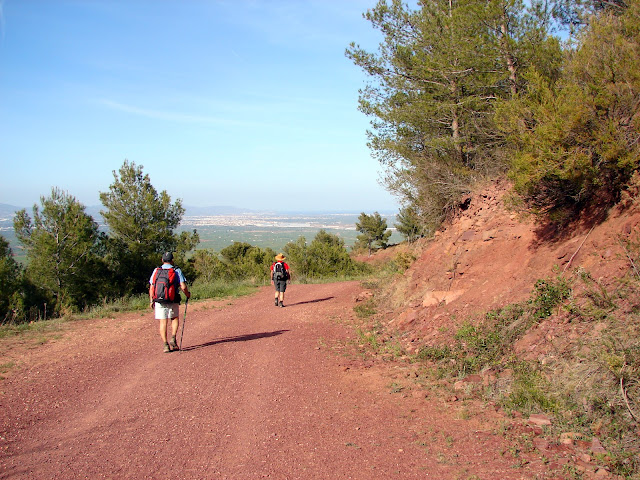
{"points": [[511, 64], [455, 122]]}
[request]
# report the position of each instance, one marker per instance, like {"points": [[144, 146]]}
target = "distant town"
{"points": [[219, 227]]}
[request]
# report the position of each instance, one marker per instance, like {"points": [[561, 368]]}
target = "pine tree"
{"points": [[434, 84], [10, 279], [575, 139], [373, 230], [409, 225], [62, 244], [141, 225]]}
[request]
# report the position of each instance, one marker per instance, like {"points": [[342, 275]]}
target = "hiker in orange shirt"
{"points": [[280, 274]]}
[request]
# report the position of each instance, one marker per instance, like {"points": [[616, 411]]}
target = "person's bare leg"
{"points": [[163, 330], [173, 343], [175, 322]]}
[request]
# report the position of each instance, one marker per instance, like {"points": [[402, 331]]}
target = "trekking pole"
{"points": [[184, 320]]}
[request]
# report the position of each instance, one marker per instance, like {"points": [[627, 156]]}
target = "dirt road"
{"points": [[257, 392]]}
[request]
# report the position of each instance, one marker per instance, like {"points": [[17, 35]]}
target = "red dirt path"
{"points": [[257, 392]]}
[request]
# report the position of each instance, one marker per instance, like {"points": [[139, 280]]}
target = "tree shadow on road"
{"points": [[311, 301], [238, 338]]}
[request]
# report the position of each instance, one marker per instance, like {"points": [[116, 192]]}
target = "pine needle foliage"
{"points": [[577, 137], [62, 243], [435, 81]]}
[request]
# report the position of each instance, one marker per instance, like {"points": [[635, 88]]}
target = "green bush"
{"points": [[548, 295], [530, 391], [574, 140], [10, 279], [325, 257], [244, 261]]}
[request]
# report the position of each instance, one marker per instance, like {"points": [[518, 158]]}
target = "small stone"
{"points": [[539, 419], [540, 443], [596, 446]]}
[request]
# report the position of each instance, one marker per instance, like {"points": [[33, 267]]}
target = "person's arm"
{"points": [[151, 302], [151, 285], [185, 289], [183, 283]]}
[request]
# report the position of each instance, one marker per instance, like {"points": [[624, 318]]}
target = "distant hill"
{"points": [[7, 210], [191, 211]]}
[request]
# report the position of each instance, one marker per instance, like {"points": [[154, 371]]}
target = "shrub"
{"points": [[490, 342], [325, 257]]}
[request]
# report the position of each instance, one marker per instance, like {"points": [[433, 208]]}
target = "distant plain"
{"points": [[274, 230], [265, 230]]}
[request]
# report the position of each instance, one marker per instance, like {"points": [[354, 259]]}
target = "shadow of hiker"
{"points": [[311, 301], [238, 338]]}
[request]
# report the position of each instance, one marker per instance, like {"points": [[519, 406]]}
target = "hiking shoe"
{"points": [[173, 344], [276, 302], [166, 348], [281, 304]]}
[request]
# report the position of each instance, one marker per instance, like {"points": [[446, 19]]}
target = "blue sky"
{"points": [[222, 102]]}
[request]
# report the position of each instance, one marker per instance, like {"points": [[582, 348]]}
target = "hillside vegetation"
{"points": [[461, 91], [535, 319], [510, 131]]}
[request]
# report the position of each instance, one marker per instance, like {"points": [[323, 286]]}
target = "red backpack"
{"points": [[165, 285]]}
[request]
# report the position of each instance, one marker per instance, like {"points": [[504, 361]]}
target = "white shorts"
{"points": [[167, 310]]}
